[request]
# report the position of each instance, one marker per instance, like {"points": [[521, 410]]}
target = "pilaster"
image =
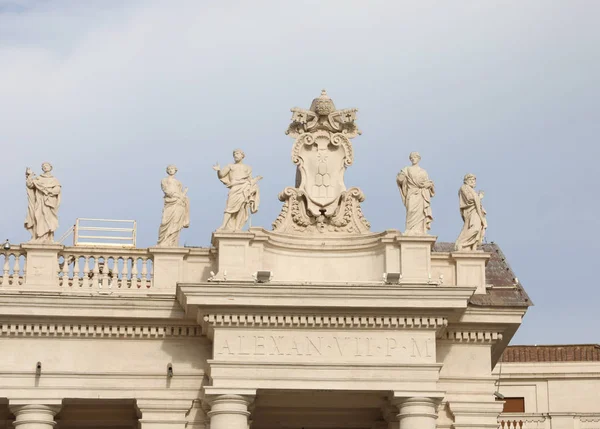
{"points": [[163, 414]]}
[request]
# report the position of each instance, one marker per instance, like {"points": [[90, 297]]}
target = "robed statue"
{"points": [[416, 190], [176, 211], [473, 215], [43, 199], [243, 197]]}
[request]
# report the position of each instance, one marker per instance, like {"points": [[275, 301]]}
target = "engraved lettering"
{"points": [[416, 351], [259, 345], [276, 343], [310, 343], [225, 346], [340, 344], [368, 346], [241, 349], [392, 344], [295, 347]]}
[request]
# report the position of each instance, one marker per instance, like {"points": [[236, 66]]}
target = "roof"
{"points": [[553, 353], [505, 290]]}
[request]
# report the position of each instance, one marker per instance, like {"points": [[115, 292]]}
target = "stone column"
{"points": [[229, 412], [417, 413], [34, 416]]}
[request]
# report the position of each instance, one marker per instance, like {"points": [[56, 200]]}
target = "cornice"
{"points": [[97, 330], [471, 336], [36, 304], [323, 321]]}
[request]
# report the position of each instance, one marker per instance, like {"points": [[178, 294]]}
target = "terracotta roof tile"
{"points": [[499, 275], [558, 353]]}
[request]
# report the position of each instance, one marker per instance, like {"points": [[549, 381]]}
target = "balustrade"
{"points": [[105, 269], [13, 263], [523, 421]]}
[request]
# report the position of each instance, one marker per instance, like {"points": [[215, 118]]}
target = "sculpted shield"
{"points": [[322, 151], [322, 164]]}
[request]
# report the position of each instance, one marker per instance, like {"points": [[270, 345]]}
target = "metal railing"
{"points": [[91, 232]]}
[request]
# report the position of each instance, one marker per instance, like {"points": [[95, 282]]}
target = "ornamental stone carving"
{"points": [[416, 190], [176, 211], [473, 215], [243, 194], [322, 151], [43, 200]]}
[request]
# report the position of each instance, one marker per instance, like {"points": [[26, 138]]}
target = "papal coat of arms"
{"points": [[322, 151]]}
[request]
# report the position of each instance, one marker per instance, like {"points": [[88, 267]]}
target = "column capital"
{"points": [[34, 415], [228, 410]]}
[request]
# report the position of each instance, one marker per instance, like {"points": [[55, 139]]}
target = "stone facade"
{"points": [[320, 323]]}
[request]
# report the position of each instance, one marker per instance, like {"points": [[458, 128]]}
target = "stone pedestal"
{"points": [[415, 258], [168, 267], [42, 265], [34, 416], [238, 260], [417, 413], [229, 412], [470, 269]]}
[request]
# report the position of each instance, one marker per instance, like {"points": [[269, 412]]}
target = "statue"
{"points": [[176, 211], [43, 199], [416, 190], [473, 215], [243, 192], [322, 150]]}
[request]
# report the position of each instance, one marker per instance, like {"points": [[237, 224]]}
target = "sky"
{"points": [[111, 92]]}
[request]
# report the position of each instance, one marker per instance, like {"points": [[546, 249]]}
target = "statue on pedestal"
{"points": [[43, 199], [243, 194], [473, 215], [416, 190], [320, 202], [176, 211]]}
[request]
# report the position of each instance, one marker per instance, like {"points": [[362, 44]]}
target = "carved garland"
{"points": [[312, 321], [96, 330]]}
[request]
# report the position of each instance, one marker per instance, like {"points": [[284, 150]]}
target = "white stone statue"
{"points": [[416, 190], [473, 215], [176, 211], [43, 199], [243, 194]]}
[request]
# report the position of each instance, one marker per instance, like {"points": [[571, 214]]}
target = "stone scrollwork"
{"points": [[322, 151]]}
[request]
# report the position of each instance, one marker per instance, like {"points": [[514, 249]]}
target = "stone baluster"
{"points": [[95, 272], [86, 272], [76, 270], [134, 272], [65, 271], [102, 272], [16, 277], [144, 272], [118, 273], [6, 270]]}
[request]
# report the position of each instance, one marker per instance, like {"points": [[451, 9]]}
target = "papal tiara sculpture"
{"points": [[322, 151]]}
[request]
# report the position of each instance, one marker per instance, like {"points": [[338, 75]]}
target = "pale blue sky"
{"points": [[111, 92]]}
